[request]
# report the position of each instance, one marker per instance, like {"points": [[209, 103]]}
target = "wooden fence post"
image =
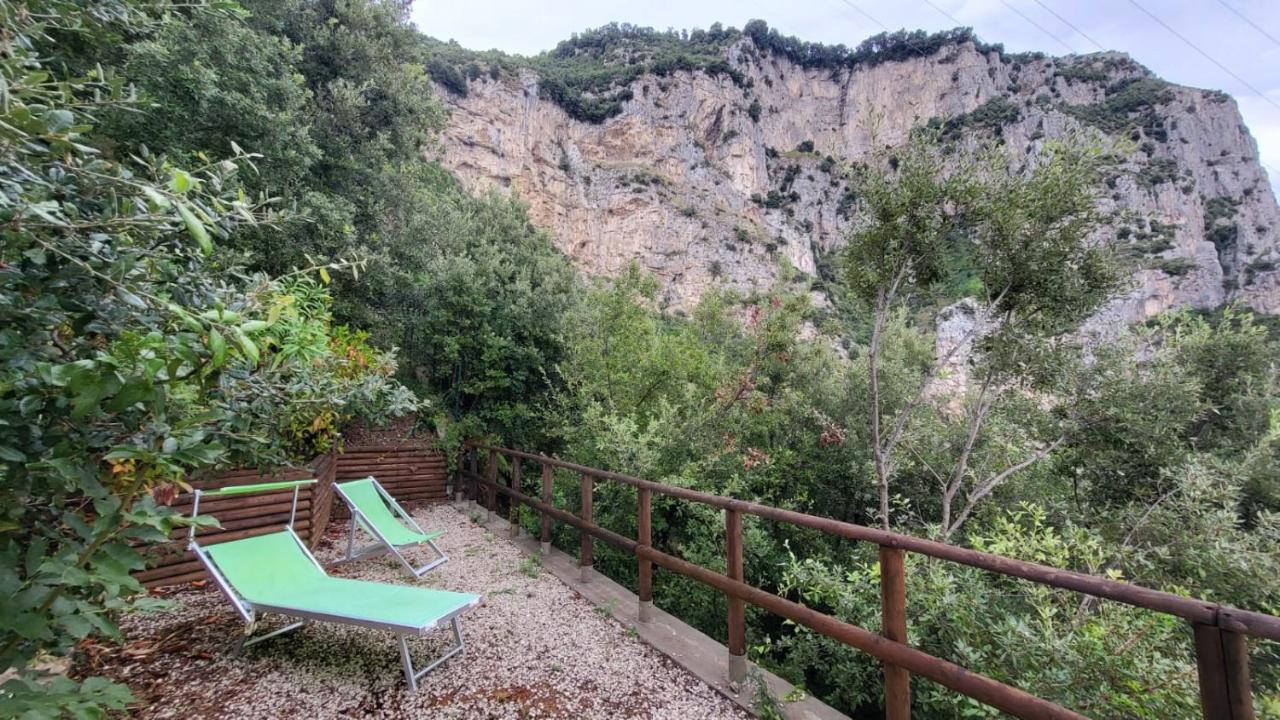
{"points": [[475, 473], [546, 519], [1222, 662], [517, 485], [737, 614], [458, 492], [491, 496], [585, 550], [644, 535], [893, 605]]}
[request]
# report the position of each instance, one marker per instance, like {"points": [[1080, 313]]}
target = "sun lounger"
{"points": [[276, 573], [374, 511]]}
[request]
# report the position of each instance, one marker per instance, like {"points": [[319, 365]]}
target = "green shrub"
{"points": [[1223, 237], [990, 117], [877, 49], [1258, 267], [1174, 267], [1156, 172], [1082, 72], [589, 75], [1110, 660], [135, 351], [448, 76], [1129, 104], [1219, 208]]}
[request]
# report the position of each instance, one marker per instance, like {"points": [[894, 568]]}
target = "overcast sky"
{"points": [[1232, 45]]}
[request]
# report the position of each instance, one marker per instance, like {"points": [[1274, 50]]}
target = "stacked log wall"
{"points": [[242, 516], [411, 475]]}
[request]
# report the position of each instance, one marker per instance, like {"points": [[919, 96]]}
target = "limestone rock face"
{"points": [[689, 185]]}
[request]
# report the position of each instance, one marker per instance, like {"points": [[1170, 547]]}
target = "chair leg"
{"points": [[440, 560], [351, 538], [407, 662], [411, 675], [247, 639], [243, 641]]}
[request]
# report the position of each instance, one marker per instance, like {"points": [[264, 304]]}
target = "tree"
{"points": [[1109, 661], [1027, 235], [1154, 396], [476, 299], [335, 98], [133, 354]]}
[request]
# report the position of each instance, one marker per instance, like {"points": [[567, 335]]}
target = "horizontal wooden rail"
{"points": [[1221, 651], [1198, 611], [994, 693]]}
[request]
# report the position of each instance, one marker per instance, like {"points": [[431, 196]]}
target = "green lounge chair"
{"points": [[277, 573], [377, 513]]}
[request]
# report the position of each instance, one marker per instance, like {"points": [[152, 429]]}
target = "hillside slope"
{"points": [[716, 178]]}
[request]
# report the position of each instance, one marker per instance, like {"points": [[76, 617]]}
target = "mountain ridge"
{"points": [[712, 173]]}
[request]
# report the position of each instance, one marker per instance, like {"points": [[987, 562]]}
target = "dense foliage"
{"points": [[737, 400], [134, 353], [590, 75], [1150, 458], [881, 48], [335, 97]]}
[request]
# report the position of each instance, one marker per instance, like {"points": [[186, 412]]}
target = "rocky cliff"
{"points": [[708, 179]]}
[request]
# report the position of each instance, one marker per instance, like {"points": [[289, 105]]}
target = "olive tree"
{"points": [[925, 216]]}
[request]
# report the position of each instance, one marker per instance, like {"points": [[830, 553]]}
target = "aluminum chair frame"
{"points": [[250, 611], [383, 544]]}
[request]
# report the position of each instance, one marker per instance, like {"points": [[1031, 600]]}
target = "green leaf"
{"points": [[218, 346], [158, 201], [59, 120], [220, 315], [131, 299], [125, 453], [246, 345], [77, 626], [196, 229], [181, 182], [135, 390], [29, 625]]}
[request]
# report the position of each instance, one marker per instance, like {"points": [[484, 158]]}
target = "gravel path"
{"points": [[535, 649]]}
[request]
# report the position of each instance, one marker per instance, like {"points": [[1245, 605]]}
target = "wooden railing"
{"points": [[1219, 631]]}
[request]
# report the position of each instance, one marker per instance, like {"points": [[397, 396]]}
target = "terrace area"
{"points": [[538, 647], [554, 638]]}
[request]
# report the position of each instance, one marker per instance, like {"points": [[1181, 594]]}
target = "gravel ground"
{"points": [[535, 649]]}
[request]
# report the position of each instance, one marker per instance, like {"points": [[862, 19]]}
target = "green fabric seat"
{"points": [[272, 571], [276, 573], [366, 498]]}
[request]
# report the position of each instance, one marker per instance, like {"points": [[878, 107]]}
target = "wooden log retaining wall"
{"points": [[411, 475], [244, 516]]}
